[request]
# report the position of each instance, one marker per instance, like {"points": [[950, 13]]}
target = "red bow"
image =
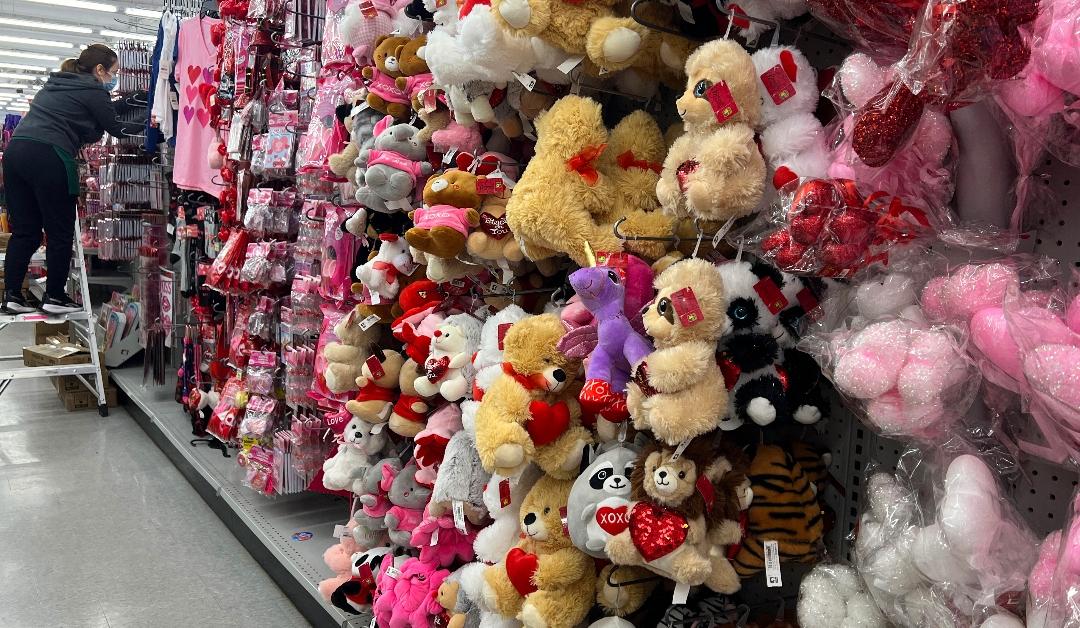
{"points": [[892, 227], [388, 268], [627, 161], [583, 163], [536, 381], [431, 449]]}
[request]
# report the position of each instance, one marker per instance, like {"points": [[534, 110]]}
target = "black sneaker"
{"points": [[60, 305], [16, 303]]}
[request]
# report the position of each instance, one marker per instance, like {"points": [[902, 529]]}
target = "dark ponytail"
{"points": [[91, 57]]}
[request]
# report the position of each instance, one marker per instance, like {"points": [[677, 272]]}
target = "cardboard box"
{"points": [[43, 331], [86, 399], [55, 355], [71, 383]]}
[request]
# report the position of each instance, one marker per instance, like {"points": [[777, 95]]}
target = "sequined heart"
{"points": [[548, 421], [683, 172], [656, 531], [812, 197], [885, 124], [436, 368], [851, 228], [641, 378], [790, 255], [840, 255], [520, 567]]}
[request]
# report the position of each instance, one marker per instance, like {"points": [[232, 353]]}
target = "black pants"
{"points": [[36, 185]]}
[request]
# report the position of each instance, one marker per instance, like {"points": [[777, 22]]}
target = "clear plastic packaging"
{"points": [[1054, 584], [833, 595]]}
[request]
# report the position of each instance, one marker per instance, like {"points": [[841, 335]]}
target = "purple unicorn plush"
{"points": [[619, 346]]}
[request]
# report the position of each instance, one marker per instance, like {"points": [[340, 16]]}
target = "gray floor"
{"points": [[98, 529]]}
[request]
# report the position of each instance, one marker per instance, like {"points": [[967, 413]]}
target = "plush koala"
{"points": [[544, 580], [389, 172], [409, 498], [345, 471], [678, 390]]}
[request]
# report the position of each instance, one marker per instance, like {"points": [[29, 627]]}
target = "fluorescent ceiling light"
{"points": [[79, 4], [20, 66], [118, 34], [49, 26], [143, 13], [19, 77], [47, 43], [18, 54]]}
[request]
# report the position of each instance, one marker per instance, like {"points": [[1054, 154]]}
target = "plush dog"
{"points": [[360, 444], [544, 580], [531, 412]]}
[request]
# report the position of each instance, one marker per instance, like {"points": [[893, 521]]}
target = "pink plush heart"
{"points": [[1053, 369], [990, 334]]}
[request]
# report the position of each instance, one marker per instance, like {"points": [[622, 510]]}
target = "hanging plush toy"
{"points": [[378, 382], [360, 444], [409, 498], [442, 225], [448, 370], [381, 275], [388, 173]]}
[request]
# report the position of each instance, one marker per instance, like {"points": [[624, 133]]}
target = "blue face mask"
{"points": [[111, 85]]}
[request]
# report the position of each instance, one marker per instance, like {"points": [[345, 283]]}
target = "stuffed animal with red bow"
{"points": [[380, 275], [531, 412]]}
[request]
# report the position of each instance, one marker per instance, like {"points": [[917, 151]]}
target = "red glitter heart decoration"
{"points": [[656, 531], [813, 196], [683, 172], [850, 228], [885, 124], [790, 255], [775, 240], [841, 255], [806, 229]]}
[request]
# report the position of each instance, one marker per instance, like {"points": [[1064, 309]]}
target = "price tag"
{"points": [[377, 428], [339, 531], [375, 297], [566, 67], [503, 328], [393, 572], [778, 84], [722, 102], [375, 366], [682, 591], [358, 108], [685, 11], [368, 322], [771, 295], [772, 564], [504, 492], [459, 516], [402, 204], [434, 538], [526, 80], [368, 10], [680, 449], [448, 156], [492, 186]]}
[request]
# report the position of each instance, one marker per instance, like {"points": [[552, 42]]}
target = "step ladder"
{"points": [[80, 323]]}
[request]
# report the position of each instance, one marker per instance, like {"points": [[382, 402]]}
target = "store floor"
{"points": [[98, 529]]}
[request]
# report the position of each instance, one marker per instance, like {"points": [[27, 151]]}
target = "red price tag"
{"points": [[771, 295], [491, 186], [808, 302], [368, 10], [687, 307], [722, 102], [375, 367], [503, 328], [504, 492], [778, 84]]}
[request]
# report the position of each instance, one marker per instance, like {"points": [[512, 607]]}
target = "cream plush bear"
{"points": [[345, 357], [359, 449], [448, 371]]}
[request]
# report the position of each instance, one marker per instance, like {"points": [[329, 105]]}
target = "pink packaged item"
{"points": [[1054, 583], [315, 144], [362, 23]]}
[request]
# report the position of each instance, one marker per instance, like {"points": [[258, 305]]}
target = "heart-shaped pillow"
{"points": [[520, 567], [548, 422]]}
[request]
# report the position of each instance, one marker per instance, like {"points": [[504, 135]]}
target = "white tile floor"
{"points": [[98, 529]]}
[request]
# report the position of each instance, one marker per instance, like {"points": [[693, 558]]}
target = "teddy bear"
{"points": [[360, 443], [388, 173], [493, 240], [345, 356], [409, 498], [461, 477], [668, 529], [380, 275], [531, 412], [714, 171], [448, 369], [359, 120], [678, 391], [792, 138], [378, 384], [410, 411], [544, 580], [411, 600], [363, 28], [415, 77], [383, 93], [784, 509], [442, 225], [503, 496]]}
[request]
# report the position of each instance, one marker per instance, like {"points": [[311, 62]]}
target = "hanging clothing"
{"points": [[195, 62], [161, 115]]}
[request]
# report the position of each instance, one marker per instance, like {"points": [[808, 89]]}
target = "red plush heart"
{"points": [[790, 255], [782, 177], [520, 567], [613, 520], [850, 228], [548, 422], [436, 368], [683, 172], [806, 228], [656, 531]]}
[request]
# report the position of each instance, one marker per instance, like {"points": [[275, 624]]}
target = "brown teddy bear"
{"points": [[678, 390], [715, 170], [409, 415], [449, 211], [544, 580], [415, 76], [671, 527], [493, 240], [531, 412], [345, 357], [378, 382], [383, 93]]}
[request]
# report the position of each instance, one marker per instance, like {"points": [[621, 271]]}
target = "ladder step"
{"points": [[42, 317], [24, 372]]}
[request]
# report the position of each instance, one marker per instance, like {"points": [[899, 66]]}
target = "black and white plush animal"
{"points": [[356, 595], [600, 499]]}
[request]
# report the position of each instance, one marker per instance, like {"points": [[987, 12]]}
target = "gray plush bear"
{"points": [[461, 476], [373, 503], [389, 172], [409, 498]]}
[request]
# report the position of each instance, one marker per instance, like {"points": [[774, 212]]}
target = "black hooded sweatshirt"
{"points": [[72, 109]]}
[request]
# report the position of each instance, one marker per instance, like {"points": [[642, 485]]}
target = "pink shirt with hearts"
{"points": [[196, 59], [442, 216]]}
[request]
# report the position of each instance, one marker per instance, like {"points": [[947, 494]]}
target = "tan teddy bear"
{"points": [[678, 390], [442, 225], [715, 170], [378, 382], [531, 412], [383, 93], [345, 357], [544, 581], [493, 240], [409, 415]]}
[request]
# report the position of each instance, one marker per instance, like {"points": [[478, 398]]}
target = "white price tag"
{"points": [[368, 322], [402, 204], [448, 156], [459, 516], [526, 80], [358, 108], [377, 428], [566, 67], [339, 531], [772, 565], [680, 449], [434, 538], [393, 572], [682, 591], [372, 624], [376, 298]]}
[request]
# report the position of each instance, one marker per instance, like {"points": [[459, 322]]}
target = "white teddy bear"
{"points": [[448, 370], [380, 275], [360, 447]]}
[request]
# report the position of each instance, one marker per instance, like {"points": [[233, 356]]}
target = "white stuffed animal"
{"points": [[380, 274], [493, 542], [771, 10], [359, 449], [448, 370], [792, 138], [489, 357]]}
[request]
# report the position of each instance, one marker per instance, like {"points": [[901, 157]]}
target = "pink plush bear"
{"points": [[431, 441], [409, 601], [441, 543]]}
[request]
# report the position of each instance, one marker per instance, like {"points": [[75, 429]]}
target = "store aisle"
{"points": [[98, 529]]}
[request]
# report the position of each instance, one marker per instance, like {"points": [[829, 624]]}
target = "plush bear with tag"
{"points": [[361, 442], [378, 382], [531, 412], [387, 173], [678, 390], [671, 529], [544, 580], [383, 93], [442, 225], [448, 370], [345, 357]]}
